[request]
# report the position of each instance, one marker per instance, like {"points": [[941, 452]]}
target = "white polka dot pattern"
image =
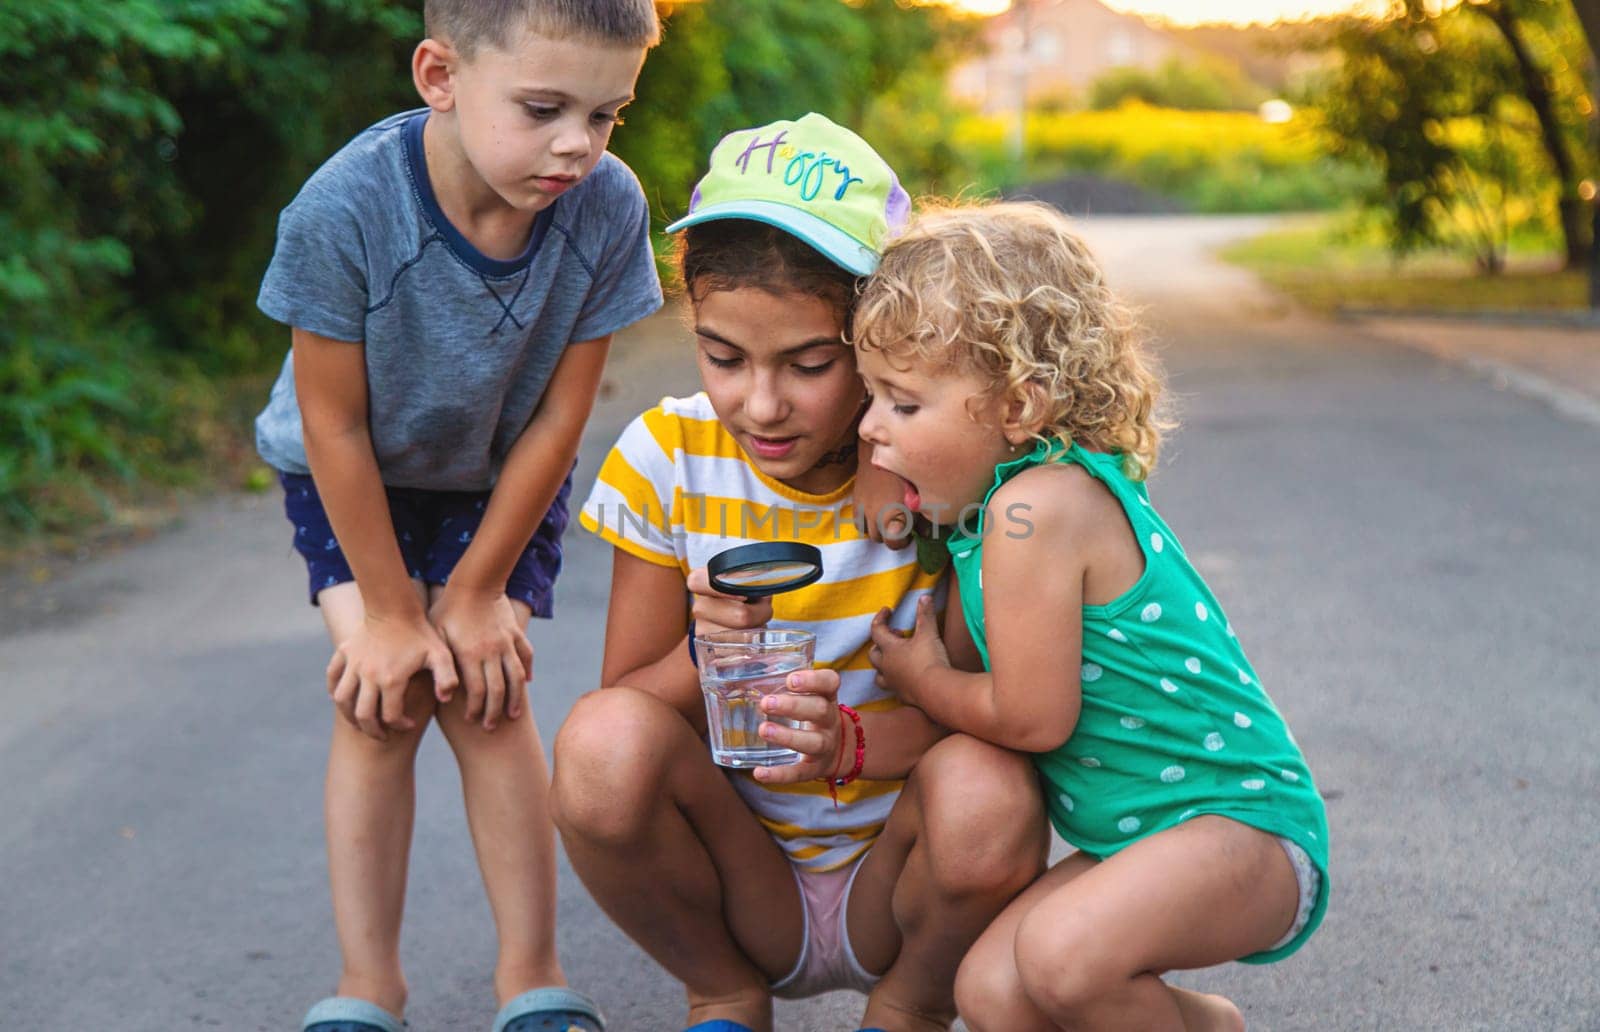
{"points": [[1174, 722]]}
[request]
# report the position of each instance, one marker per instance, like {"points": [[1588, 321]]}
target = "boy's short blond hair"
{"points": [[1008, 292], [469, 24]]}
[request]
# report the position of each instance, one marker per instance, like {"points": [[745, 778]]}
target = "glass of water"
{"points": [[737, 669]]}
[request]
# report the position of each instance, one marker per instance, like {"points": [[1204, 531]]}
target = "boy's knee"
{"points": [[609, 762], [399, 745], [982, 817]]}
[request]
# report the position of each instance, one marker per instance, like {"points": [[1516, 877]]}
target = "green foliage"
{"points": [[148, 146], [54, 401], [1435, 102], [874, 65], [661, 136], [1208, 84]]}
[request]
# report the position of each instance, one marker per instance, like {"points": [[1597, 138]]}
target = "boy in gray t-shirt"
{"points": [[452, 277]]}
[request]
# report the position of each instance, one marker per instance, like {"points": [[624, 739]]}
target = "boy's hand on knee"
{"points": [[370, 670], [811, 696], [491, 651]]}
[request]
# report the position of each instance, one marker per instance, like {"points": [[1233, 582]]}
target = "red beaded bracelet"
{"points": [[835, 783]]}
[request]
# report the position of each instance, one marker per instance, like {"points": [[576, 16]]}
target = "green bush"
{"points": [[81, 116], [149, 147], [1208, 84]]}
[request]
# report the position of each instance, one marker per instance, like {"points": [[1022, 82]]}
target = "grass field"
{"points": [[1211, 161], [1326, 267]]}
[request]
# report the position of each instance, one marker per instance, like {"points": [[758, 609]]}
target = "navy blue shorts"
{"points": [[433, 529]]}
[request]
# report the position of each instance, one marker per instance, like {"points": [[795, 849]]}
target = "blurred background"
{"points": [[1408, 529], [1435, 156]]}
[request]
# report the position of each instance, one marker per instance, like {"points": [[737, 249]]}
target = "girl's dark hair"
{"points": [[727, 254]]}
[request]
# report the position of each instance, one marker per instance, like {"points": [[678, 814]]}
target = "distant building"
{"points": [[1062, 46]]}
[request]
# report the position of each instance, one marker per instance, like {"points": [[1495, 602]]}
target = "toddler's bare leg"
{"points": [[966, 835], [672, 854], [368, 805], [1086, 944], [1206, 1012], [506, 788], [989, 992]]}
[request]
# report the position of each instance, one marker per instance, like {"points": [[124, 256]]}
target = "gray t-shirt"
{"points": [[459, 346]]}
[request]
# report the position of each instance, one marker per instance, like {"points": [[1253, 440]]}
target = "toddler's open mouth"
{"points": [[912, 497]]}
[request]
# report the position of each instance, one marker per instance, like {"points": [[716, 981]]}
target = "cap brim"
{"points": [[839, 247]]}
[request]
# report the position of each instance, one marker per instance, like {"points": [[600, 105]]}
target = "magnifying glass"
{"points": [[765, 568]]}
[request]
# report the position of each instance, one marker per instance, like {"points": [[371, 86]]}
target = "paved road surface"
{"points": [[1407, 550]]}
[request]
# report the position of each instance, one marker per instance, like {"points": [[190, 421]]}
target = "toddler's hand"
{"points": [[903, 663], [714, 611], [370, 670], [811, 696], [491, 650]]}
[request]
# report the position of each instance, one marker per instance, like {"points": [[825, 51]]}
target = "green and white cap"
{"points": [[810, 177]]}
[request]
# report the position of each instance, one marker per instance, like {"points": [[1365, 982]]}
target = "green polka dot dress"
{"points": [[1174, 723]]}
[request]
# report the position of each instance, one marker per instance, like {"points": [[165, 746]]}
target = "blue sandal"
{"points": [[719, 1025], [555, 1009], [349, 1014]]}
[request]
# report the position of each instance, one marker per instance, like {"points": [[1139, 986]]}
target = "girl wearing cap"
{"points": [[877, 860]]}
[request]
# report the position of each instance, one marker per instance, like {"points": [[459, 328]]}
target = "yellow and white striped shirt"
{"points": [[676, 490]]}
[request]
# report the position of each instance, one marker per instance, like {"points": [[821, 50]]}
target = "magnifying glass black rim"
{"points": [[764, 553]]}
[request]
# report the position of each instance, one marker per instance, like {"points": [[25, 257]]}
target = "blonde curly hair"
{"points": [[1008, 292]]}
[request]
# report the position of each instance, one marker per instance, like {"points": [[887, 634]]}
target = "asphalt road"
{"points": [[1407, 551]]}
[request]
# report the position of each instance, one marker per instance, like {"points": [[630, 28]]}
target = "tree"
{"points": [[1456, 108], [1512, 20], [1413, 96], [1588, 12]]}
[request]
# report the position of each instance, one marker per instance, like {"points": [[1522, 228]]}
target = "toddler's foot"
{"points": [[1207, 1012]]}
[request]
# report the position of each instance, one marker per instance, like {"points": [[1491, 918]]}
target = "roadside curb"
{"points": [[1564, 380], [1569, 320]]}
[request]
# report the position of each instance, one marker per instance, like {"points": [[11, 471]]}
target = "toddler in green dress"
{"points": [[1011, 392]]}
